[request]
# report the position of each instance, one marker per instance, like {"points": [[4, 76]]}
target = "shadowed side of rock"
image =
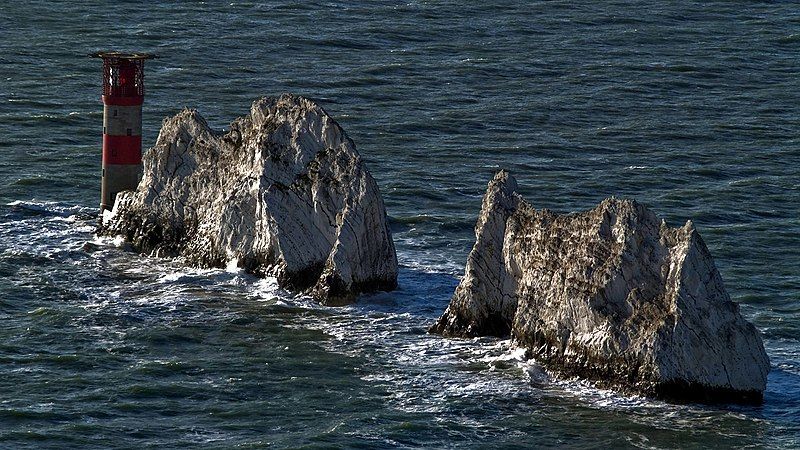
{"points": [[612, 295], [283, 193], [485, 301]]}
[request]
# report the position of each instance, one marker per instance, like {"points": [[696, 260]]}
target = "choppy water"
{"points": [[692, 108]]}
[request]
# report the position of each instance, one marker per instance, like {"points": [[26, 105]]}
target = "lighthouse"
{"points": [[123, 96]]}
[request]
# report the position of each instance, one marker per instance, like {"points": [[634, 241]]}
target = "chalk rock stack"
{"points": [[283, 193], [612, 295]]}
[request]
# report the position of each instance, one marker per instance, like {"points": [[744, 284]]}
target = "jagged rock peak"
{"points": [[612, 295], [283, 193]]}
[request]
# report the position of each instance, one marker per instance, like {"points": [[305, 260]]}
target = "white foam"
{"points": [[233, 266], [118, 241]]}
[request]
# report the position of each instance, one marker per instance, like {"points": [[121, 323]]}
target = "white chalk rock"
{"points": [[612, 295], [283, 193]]}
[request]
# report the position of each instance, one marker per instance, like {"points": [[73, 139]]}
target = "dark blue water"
{"points": [[691, 108]]}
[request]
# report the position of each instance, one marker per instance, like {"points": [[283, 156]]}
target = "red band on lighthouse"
{"points": [[123, 101], [122, 149]]}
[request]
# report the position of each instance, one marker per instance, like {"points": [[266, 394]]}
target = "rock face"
{"points": [[283, 193], [612, 295]]}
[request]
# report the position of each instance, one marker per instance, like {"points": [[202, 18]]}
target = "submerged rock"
{"points": [[283, 193], [612, 295]]}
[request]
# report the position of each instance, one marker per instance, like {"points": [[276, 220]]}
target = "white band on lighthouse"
{"points": [[122, 120]]}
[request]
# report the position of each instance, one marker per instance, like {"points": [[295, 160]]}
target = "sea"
{"points": [[692, 108]]}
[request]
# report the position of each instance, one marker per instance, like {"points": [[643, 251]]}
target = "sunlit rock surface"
{"points": [[283, 193], [612, 295]]}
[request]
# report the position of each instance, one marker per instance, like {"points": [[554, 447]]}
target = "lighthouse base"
{"points": [[117, 178]]}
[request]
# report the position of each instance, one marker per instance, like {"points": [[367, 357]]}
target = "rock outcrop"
{"points": [[612, 295], [283, 193]]}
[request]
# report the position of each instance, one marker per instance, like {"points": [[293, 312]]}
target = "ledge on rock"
{"points": [[283, 193], [612, 295]]}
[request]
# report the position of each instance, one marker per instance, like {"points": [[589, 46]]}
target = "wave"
{"points": [[790, 39], [43, 207]]}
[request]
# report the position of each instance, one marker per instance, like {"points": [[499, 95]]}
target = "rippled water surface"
{"points": [[691, 108]]}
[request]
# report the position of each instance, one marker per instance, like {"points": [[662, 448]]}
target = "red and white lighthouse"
{"points": [[123, 95]]}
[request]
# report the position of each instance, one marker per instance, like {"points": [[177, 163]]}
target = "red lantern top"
{"points": [[123, 77]]}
